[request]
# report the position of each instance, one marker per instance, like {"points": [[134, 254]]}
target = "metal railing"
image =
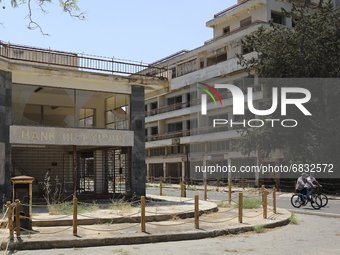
{"points": [[235, 30], [79, 62], [174, 107]]}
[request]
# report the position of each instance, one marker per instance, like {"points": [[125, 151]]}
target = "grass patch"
{"points": [[67, 209], [337, 234], [148, 186], [258, 229], [225, 205], [191, 188], [120, 205], [292, 219], [227, 250], [166, 184], [251, 203]]}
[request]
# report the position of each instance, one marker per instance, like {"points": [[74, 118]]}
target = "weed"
{"points": [[292, 219], [259, 228]]}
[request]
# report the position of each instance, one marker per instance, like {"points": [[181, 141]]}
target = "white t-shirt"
{"points": [[309, 179]]}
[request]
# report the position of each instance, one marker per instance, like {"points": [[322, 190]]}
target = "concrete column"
{"points": [[98, 171], [148, 170], [161, 101], [5, 146], [161, 127], [138, 172], [183, 170], [184, 99], [164, 172]]}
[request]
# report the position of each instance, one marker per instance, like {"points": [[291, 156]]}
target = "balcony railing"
{"points": [[79, 62], [234, 31], [174, 107], [189, 132], [229, 9]]}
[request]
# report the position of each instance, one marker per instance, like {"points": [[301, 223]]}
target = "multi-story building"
{"points": [[78, 118], [172, 115]]}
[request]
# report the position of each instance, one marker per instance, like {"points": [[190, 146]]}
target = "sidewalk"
{"points": [[214, 224]]}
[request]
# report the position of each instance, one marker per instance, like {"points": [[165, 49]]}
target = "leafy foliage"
{"points": [[68, 6], [309, 50]]}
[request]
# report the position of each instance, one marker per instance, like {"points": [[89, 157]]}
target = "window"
{"points": [[173, 71], [117, 112], [174, 127], [154, 130], [226, 30], [216, 59], [159, 151], [278, 18], [174, 100], [202, 64], [245, 22]]}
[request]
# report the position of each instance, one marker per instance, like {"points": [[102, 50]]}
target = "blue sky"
{"points": [[136, 30]]}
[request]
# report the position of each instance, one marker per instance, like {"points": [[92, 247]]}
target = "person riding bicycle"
{"points": [[302, 184], [311, 180]]}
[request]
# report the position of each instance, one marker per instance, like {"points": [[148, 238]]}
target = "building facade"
{"points": [[171, 116], [75, 123]]}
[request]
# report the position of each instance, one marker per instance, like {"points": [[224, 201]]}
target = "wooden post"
{"points": [[182, 191], [218, 182], [89, 187], [242, 183], [262, 190], [191, 181], [10, 222], [240, 206], [229, 192], [197, 213], [277, 184], [274, 200], [205, 191], [17, 216], [265, 204], [75, 203], [258, 183], [170, 180], [295, 186], [160, 186], [74, 170], [151, 179], [204, 180], [142, 213]]}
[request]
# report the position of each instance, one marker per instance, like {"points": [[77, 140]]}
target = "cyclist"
{"points": [[302, 184], [311, 181]]}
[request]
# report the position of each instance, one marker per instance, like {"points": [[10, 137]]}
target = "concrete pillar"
{"points": [[184, 99], [5, 146], [98, 172], [161, 101], [147, 170], [137, 117], [164, 172], [183, 170], [161, 127]]}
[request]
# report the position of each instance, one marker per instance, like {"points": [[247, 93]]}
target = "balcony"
{"points": [[194, 102], [189, 132], [80, 62], [256, 22]]}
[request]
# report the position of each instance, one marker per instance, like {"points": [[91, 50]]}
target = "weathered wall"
{"points": [[5, 147], [138, 172]]}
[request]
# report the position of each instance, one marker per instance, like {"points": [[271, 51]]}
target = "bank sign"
{"points": [[238, 98], [70, 136]]}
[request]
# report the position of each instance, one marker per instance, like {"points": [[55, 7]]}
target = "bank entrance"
{"points": [[94, 172]]}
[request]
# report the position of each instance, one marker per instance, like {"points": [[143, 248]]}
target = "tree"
{"points": [[309, 50], [68, 6]]}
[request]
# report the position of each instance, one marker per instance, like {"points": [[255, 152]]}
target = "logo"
{"points": [[239, 102], [204, 97]]}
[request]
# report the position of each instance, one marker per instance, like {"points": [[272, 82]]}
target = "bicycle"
{"points": [[323, 197], [299, 199]]}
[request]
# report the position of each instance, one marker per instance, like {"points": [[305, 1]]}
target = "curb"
{"points": [[90, 242]]}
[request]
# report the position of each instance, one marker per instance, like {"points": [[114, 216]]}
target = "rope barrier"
{"points": [[128, 216], [37, 219], [172, 213], [108, 230], [219, 221], [47, 233]]}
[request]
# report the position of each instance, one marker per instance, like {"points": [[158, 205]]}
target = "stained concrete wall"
{"points": [[138, 173], [5, 147]]}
